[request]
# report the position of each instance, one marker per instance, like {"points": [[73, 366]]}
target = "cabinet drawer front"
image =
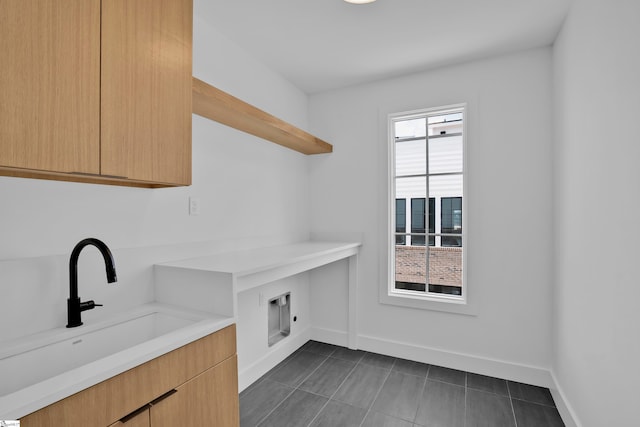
{"points": [[110, 400], [210, 399]]}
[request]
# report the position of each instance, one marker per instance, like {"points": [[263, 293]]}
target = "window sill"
{"points": [[426, 302]]}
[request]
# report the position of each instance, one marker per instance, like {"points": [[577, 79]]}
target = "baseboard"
{"points": [[330, 336], [564, 408], [465, 362], [276, 354]]}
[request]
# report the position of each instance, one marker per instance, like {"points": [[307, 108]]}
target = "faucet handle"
{"points": [[88, 305]]}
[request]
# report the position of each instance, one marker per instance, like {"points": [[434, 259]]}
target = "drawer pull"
{"points": [[97, 175], [163, 397], [134, 414], [146, 407]]}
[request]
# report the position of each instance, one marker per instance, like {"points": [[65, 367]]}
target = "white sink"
{"points": [[46, 360], [49, 366]]}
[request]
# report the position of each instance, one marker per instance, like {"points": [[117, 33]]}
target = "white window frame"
{"points": [[464, 304]]}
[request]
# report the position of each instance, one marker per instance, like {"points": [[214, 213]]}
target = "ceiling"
{"points": [[320, 45]]}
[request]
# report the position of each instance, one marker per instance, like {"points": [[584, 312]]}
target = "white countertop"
{"points": [[269, 262], [250, 261], [15, 404]]}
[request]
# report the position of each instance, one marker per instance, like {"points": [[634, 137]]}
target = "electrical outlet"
{"points": [[194, 206]]}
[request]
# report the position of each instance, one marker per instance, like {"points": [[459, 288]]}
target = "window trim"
{"points": [[388, 294]]}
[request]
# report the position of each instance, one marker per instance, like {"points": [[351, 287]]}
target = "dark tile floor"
{"points": [[326, 385]]}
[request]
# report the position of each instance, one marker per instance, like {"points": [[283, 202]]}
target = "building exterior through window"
{"points": [[428, 174]]}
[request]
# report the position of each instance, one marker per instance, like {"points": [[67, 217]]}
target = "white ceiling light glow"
{"points": [[359, 1]]}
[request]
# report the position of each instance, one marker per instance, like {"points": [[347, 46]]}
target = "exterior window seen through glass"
{"points": [[417, 222], [451, 220], [432, 221], [401, 221]]}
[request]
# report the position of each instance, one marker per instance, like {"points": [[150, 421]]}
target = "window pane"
{"points": [[401, 220], [445, 122], [445, 270], [451, 220], [451, 241], [445, 154], [411, 157], [411, 268], [445, 290], [432, 220], [408, 188], [441, 186], [432, 215], [410, 128], [417, 221]]}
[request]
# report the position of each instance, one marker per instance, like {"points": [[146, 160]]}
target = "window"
{"points": [[427, 164]]}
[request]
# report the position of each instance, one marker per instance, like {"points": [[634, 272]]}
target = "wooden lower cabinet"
{"points": [[210, 399], [192, 386]]}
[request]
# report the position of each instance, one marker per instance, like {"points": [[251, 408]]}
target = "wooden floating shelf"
{"points": [[217, 105]]}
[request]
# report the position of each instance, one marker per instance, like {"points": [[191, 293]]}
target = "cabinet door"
{"points": [[210, 399], [50, 85], [146, 89], [139, 419]]}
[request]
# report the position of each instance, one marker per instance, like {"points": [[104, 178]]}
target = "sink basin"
{"points": [[44, 361], [49, 366]]}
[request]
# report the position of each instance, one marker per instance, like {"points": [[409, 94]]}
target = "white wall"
{"points": [[251, 192], [596, 205], [509, 246]]}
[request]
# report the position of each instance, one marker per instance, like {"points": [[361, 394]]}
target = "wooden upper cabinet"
{"points": [[50, 85], [96, 90], [146, 90]]}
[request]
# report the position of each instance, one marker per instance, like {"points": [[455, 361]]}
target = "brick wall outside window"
{"points": [[445, 265]]}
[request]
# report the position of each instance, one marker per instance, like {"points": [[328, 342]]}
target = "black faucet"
{"points": [[74, 306]]}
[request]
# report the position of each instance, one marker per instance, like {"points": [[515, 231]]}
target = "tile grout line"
{"points": [[513, 411], [424, 387], [275, 407], [466, 396], [294, 388], [534, 402], [338, 388], [379, 390]]}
